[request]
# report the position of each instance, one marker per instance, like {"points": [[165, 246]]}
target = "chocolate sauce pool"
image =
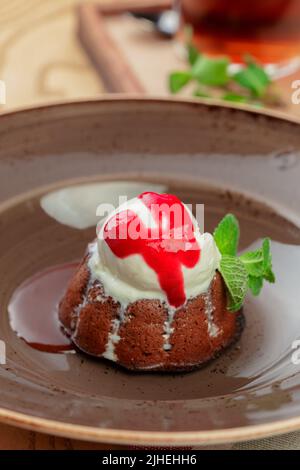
{"points": [[33, 309]]}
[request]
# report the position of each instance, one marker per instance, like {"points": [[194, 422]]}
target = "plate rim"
{"points": [[132, 98], [144, 438], [137, 437]]}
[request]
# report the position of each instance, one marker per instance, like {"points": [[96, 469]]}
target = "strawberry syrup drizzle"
{"points": [[168, 246]]}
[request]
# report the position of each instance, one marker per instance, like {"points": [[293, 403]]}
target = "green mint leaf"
{"points": [[258, 263], [265, 250], [255, 284], [254, 78], [258, 70], [269, 276], [236, 279], [177, 80], [267, 261], [227, 235], [193, 53], [235, 98], [246, 79], [245, 272], [213, 72], [253, 262]]}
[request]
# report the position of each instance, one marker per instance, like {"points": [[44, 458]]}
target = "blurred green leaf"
{"points": [[235, 97], [255, 284], [251, 84], [258, 70], [177, 80], [254, 78], [213, 72], [227, 235], [193, 53]]}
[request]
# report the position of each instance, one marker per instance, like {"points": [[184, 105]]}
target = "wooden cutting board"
{"points": [[130, 57], [42, 60]]}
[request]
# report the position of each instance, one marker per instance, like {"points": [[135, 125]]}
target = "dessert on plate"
{"points": [[154, 293]]}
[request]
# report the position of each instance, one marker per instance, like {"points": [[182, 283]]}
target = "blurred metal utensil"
{"points": [[166, 23]]}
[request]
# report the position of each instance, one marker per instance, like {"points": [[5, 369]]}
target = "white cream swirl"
{"points": [[129, 279]]}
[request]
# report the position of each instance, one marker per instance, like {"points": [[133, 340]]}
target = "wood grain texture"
{"points": [[104, 52], [40, 59], [152, 59]]}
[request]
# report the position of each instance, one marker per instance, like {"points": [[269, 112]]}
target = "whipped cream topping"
{"points": [[128, 278]]}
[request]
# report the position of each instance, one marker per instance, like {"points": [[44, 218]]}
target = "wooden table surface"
{"points": [[41, 61]]}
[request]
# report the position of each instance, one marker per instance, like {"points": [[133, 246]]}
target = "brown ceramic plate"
{"points": [[230, 159]]}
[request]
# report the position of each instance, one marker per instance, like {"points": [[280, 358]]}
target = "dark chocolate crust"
{"points": [[87, 315]]}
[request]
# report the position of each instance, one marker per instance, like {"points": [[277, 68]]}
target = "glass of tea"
{"points": [[268, 30]]}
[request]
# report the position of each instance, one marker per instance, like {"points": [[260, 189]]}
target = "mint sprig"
{"points": [[212, 72], [253, 77], [213, 77], [227, 235], [244, 272], [178, 80], [259, 262], [236, 279]]}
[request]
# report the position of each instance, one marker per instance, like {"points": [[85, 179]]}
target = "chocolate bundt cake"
{"points": [[148, 294], [146, 335]]}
